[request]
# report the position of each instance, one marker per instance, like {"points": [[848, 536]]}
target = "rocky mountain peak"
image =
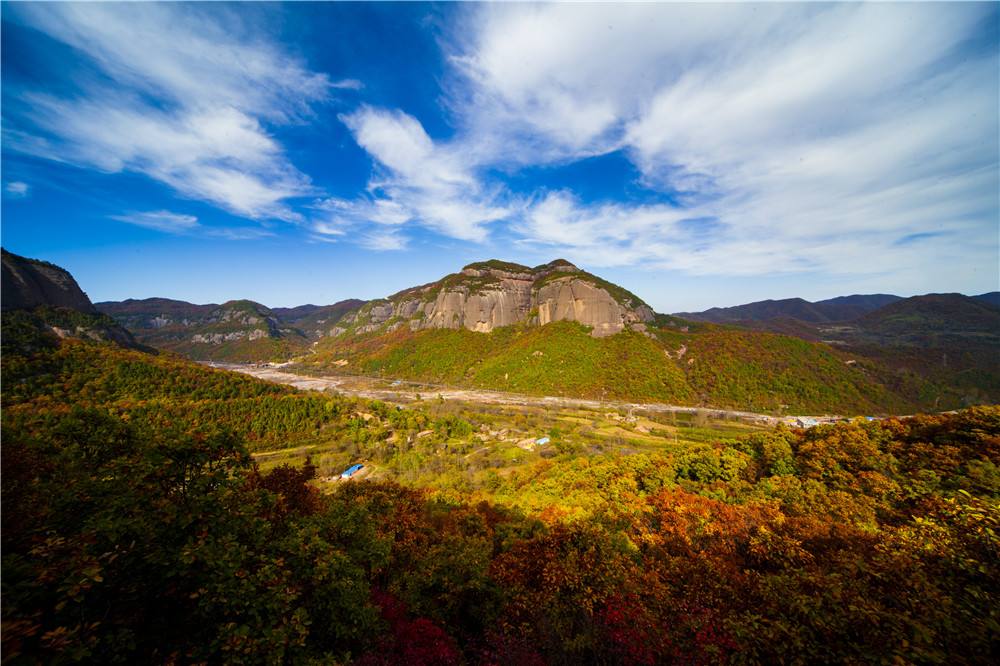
{"points": [[489, 294], [29, 283], [46, 298]]}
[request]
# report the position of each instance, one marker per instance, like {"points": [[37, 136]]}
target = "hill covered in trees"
{"points": [[503, 326], [137, 528], [950, 340], [678, 362], [144, 522]]}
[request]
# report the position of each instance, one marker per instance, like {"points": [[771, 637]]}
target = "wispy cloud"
{"points": [[180, 224], [382, 240], [815, 136], [416, 179], [185, 98], [789, 137], [17, 189], [347, 84], [237, 233], [160, 220]]}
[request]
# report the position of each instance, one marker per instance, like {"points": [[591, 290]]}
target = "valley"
{"points": [[405, 391], [500, 333], [474, 486], [555, 330]]}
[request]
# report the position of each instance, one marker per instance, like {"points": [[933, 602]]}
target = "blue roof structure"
{"points": [[351, 471]]}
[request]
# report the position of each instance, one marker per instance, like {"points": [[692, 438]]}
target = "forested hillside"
{"points": [[680, 363], [949, 340], [160, 511], [133, 534]]}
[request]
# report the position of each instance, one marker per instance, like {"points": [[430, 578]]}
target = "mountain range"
{"points": [[842, 308], [554, 329]]}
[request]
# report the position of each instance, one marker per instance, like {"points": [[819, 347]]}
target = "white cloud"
{"points": [[189, 54], [388, 239], [416, 179], [161, 220], [180, 224], [815, 137], [187, 96], [347, 84], [17, 189], [237, 233]]}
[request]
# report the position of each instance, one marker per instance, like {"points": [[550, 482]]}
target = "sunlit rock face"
{"points": [[489, 295], [576, 300]]}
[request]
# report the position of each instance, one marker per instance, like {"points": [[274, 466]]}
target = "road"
{"points": [[405, 391]]}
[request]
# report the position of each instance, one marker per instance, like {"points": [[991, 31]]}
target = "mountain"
{"points": [[556, 330], [237, 331], [842, 308], [795, 308], [29, 283], [924, 318], [950, 339], [992, 297], [316, 321], [492, 294], [41, 302]]}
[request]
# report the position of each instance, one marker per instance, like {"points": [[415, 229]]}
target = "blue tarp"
{"points": [[349, 472], [542, 440]]}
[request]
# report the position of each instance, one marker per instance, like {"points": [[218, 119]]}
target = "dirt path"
{"points": [[405, 391]]}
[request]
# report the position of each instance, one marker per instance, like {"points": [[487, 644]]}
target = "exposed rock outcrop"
{"points": [[488, 295], [47, 298], [28, 283]]}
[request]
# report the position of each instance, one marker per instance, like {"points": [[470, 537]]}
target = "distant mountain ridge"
{"points": [[239, 330], [935, 313], [951, 339], [841, 308]]}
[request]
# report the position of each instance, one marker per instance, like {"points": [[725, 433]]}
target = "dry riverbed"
{"points": [[400, 391]]}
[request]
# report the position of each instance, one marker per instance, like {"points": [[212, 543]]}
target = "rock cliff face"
{"points": [[236, 331], [46, 297], [158, 320], [28, 283], [491, 294]]}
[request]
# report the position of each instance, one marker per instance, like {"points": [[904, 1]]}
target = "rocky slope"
{"points": [[488, 295], [29, 283], [242, 331], [41, 297], [234, 331], [316, 321]]}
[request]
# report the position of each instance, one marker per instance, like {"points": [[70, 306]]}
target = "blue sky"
{"points": [[699, 155]]}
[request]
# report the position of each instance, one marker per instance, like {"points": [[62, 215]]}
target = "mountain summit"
{"points": [[43, 299], [29, 283], [489, 294]]}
